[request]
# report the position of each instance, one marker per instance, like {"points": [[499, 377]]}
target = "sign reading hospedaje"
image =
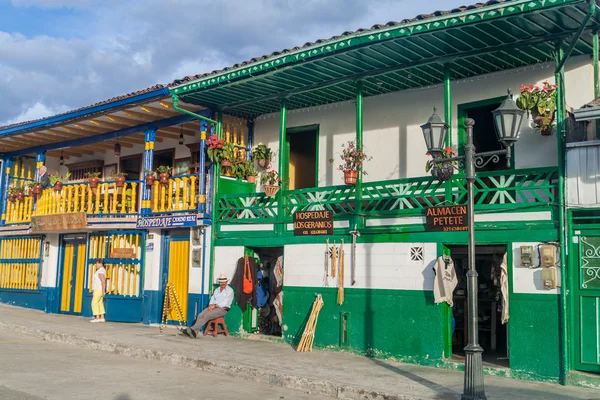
{"points": [[313, 223], [446, 218], [170, 221]]}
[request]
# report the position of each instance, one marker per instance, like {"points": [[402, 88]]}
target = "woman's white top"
{"points": [[96, 282]]}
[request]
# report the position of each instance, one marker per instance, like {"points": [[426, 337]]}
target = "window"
{"points": [[20, 262], [416, 253]]}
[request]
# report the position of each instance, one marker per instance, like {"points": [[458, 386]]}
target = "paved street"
{"points": [[33, 369]]}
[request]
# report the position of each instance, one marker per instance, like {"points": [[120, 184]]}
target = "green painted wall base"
{"points": [[584, 379]]}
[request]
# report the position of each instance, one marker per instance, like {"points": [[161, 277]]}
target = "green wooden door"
{"points": [[586, 279], [447, 314]]}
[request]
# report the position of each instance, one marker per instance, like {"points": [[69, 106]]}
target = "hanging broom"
{"points": [[308, 336], [334, 257], [340, 299]]}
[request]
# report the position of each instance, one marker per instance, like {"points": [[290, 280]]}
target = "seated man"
{"points": [[219, 305], [44, 179]]}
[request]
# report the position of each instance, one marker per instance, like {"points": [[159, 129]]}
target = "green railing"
{"points": [[493, 191]]}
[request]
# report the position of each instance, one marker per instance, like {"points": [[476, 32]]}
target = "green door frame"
{"points": [[463, 115], [296, 130]]}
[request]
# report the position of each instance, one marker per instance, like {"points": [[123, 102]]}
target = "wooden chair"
{"points": [[212, 327]]}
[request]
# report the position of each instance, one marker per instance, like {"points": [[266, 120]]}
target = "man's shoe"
{"points": [[184, 331], [193, 333], [190, 332]]}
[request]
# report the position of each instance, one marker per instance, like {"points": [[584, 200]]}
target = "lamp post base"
{"points": [[473, 386]]}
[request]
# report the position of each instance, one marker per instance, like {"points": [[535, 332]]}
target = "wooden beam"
{"points": [[163, 113], [142, 117], [84, 127]]}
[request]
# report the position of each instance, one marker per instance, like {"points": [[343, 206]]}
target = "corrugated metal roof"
{"points": [[377, 27]]}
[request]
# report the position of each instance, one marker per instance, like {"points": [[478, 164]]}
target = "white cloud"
{"points": [[126, 45], [36, 111]]}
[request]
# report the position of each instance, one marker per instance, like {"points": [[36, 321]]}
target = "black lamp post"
{"points": [[507, 121]]}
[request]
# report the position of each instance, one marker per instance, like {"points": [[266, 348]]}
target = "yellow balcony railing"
{"points": [[105, 199], [179, 194], [19, 211]]}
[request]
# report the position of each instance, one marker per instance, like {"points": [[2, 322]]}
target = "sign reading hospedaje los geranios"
{"points": [[313, 223], [446, 218]]}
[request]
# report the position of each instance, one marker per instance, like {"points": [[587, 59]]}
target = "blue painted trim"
{"points": [[202, 166], [82, 113], [151, 307], [108, 136], [195, 305], [28, 299], [8, 163], [203, 265]]}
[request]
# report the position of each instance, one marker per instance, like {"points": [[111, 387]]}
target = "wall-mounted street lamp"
{"points": [[507, 121]]}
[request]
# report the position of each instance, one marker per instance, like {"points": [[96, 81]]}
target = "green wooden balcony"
{"points": [[498, 191]]}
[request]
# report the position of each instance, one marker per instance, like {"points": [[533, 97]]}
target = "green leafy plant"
{"points": [[93, 174], [447, 153], [228, 151], [540, 101], [239, 169], [119, 175], [262, 154], [270, 178], [149, 172], [16, 189], [250, 170], [56, 178], [353, 158], [164, 169]]}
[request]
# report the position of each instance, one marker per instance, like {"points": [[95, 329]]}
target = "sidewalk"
{"points": [[332, 374]]}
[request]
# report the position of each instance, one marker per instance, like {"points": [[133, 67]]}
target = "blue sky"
{"points": [[57, 55]]}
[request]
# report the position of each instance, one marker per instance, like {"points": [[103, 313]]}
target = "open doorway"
{"points": [[269, 290], [302, 145], [132, 166], [164, 157], [484, 133], [493, 335]]}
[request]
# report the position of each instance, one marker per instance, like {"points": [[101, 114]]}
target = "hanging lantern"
{"points": [[117, 150], [62, 159], [181, 141]]}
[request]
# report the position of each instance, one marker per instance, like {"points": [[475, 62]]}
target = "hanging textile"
{"points": [[445, 280], [248, 285], [262, 292], [278, 304], [237, 282], [504, 288]]}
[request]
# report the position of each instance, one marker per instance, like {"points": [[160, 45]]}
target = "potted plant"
{"points": [[150, 177], [57, 181], [214, 148], [227, 154], [239, 169], [540, 101], [262, 154], [353, 159], [441, 170], [12, 194], [250, 172], [270, 181], [20, 192], [35, 188], [119, 179], [164, 172], [93, 179]]}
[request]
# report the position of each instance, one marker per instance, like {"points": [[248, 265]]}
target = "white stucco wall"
{"points": [[153, 259], [226, 258], [50, 263], [529, 280], [392, 133]]}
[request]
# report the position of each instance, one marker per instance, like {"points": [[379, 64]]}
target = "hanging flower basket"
{"points": [[350, 176], [271, 190], [544, 122], [37, 190], [540, 101], [263, 163], [12, 197], [251, 179], [93, 181], [120, 181], [150, 180], [20, 196], [442, 172], [225, 163], [58, 186]]}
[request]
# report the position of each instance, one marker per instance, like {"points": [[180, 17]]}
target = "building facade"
{"points": [[375, 87]]}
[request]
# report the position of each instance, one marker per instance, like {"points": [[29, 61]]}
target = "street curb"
{"points": [[310, 385]]}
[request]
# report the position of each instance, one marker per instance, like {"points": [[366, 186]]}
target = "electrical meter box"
{"points": [[549, 278], [526, 256], [548, 253]]}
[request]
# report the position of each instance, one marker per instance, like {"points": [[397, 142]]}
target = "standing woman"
{"points": [[99, 290]]}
